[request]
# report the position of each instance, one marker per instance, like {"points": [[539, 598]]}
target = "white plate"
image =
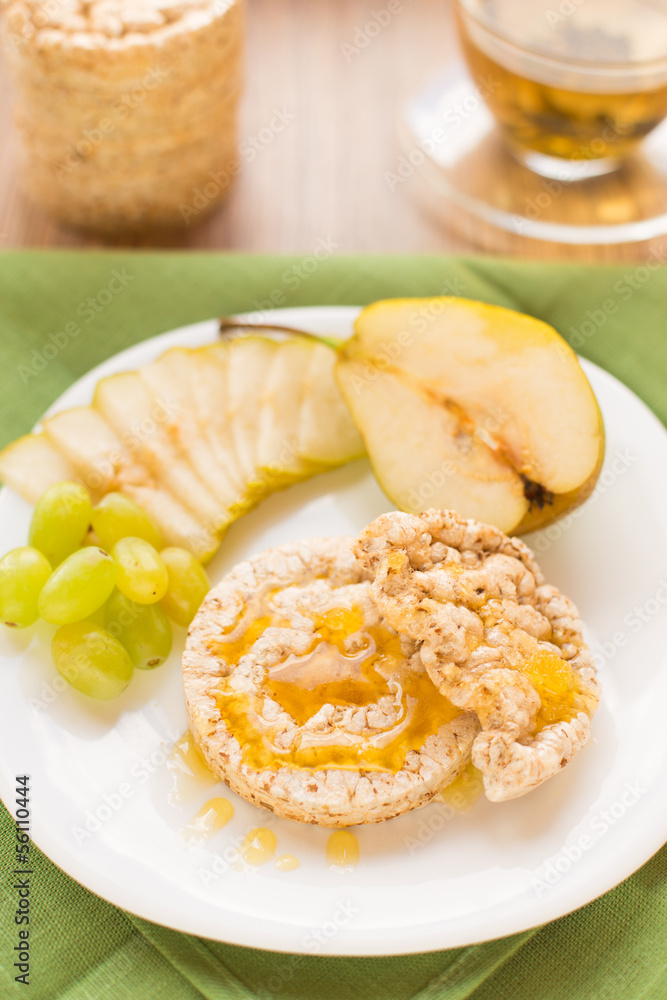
{"points": [[427, 880]]}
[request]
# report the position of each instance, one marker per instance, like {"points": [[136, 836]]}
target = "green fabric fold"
{"points": [[63, 313]]}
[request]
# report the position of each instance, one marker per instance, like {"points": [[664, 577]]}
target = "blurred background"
{"points": [[321, 163], [322, 176]]}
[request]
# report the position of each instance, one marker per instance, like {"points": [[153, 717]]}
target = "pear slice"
{"points": [[31, 464], [528, 436], [280, 418], [86, 440], [142, 424], [102, 464], [327, 434], [169, 378], [249, 364], [177, 525], [207, 372], [210, 380]]}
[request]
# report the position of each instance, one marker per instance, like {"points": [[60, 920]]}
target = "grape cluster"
{"points": [[103, 576]]}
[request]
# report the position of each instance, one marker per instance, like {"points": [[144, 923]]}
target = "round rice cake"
{"points": [[306, 702], [494, 637]]}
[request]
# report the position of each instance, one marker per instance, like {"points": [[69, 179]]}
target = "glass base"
{"points": [[452, 142], [559, 169]]}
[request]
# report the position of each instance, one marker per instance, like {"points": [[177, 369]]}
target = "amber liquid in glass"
{"points": [[581, 80]]}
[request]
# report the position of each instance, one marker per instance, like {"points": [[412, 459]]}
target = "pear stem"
{"points": [[228, 324]]}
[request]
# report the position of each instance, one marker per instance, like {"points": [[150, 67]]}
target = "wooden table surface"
{"points": [[323, 176]]}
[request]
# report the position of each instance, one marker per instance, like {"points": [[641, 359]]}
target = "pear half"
{"points": [[472, 407]]}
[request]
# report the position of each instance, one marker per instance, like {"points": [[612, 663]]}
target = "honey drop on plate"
{"points": [[286, 863], [188, 770], [212, 816], [342, 850], [259, 846], [464, 791]]}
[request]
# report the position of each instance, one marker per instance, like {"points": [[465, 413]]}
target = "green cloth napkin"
{"points": [[60, 314]]}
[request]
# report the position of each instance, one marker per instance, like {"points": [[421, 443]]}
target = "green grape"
{"points": [[91, 660], [78, 587], [143, 629], [142, 575], [60, 521], [23, 573], [188, 585], [98, 617], [117, 517]]}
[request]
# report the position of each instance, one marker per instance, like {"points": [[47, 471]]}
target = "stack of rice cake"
{"points": [[126, 108]]}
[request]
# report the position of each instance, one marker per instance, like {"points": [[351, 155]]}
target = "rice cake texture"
{"points": [[495, 638], [127, 111], [264, 620]]}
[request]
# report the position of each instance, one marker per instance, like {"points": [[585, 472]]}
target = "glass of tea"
{"points": [[577, 80], [553, 128]]}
